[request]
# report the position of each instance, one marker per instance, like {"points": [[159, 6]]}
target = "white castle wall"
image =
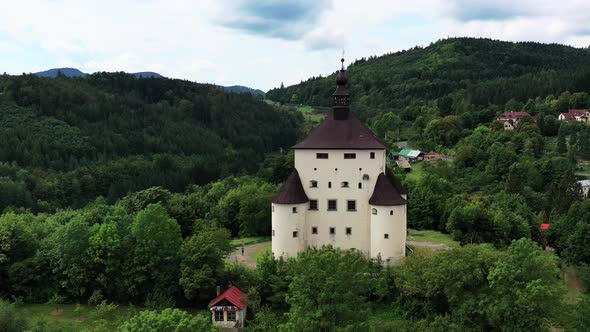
{"points": [[390, 220], [284, 223]]}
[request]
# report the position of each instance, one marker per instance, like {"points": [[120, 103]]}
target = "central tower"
{"points": [[341, 192]]}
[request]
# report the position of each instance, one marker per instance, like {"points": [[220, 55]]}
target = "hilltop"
{"points": [[481, 71], [107, 134], [74, 72]]}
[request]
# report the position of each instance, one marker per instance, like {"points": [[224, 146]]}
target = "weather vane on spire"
{"points": [[342, 59]]}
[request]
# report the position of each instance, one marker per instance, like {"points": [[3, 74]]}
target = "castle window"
{"points": [[391, 212], [350, 156], [321, 156], [374, 211], [372, 155], [332, 206], [313, 184], [332, 230], [295, 234], [351, 205], [231, 316], [360, 185], [344, 184], [273, 232], [313, 204], [314, 230], [386, 236], [294, 209], [219, 316], [329, 184], [348, 230]]}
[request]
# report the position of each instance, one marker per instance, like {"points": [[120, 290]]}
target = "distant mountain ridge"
{"points": [[74, 72], [244, 89]]}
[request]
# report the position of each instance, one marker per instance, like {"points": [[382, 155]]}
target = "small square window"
{"points": [[373, 211], [348, 230], [313, 204], [231, 316], [332, 230], [321, 155], [372, 155], [332, 206], [360, 185], [313, 184], [295, 234], [219, 316], [344, 184], [314, 230], [351, 205], [350, 156], [294, 209], [386, 236]]}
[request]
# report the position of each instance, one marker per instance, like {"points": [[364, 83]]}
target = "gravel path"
{"points": [[249, 257]]}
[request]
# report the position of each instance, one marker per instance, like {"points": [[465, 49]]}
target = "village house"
{"points": [[409, 155], [510, 120], [575, 115], [585, 186], [341, 192], [228, 309]]}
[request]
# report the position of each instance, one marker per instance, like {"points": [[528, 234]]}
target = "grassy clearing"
{"points": [[249, 240], [65, 316], [431, 236], [417, 171], [260, 251]]}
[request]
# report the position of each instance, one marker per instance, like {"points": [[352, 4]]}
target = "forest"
{"points": [[118, 191]]}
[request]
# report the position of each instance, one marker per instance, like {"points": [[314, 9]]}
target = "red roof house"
{"points": [[228, 309]]}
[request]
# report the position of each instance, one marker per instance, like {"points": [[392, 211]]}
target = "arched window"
{"points": [[374, 211], [391, 212]]}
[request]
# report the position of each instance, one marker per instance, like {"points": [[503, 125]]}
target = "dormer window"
{"points": [[344, 184], [350, 156], [313, 184]]}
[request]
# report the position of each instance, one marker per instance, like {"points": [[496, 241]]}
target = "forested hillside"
{"points": [[481, 71], [65, 141]]}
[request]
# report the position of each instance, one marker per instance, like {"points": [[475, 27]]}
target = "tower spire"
{"points": [[341, 97]]}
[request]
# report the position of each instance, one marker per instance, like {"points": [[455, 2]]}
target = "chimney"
{"points": [[218, 290]]}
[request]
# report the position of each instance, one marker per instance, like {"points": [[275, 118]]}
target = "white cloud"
{"points": [[188, 39]]}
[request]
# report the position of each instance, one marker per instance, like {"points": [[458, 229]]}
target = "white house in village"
{"points": [[575, 115], [585, 187], [341, 192]]}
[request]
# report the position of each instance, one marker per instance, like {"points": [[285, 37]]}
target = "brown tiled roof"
{"points": [[386, 193], [349, 133], [291, 192]]}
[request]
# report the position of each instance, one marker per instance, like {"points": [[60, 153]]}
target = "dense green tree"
{"points": [[339, 301], [561, 144], [152, 263], [202, 261], [167, 320]]}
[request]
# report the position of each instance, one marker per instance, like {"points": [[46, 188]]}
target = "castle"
{"points": [[341, 192]]}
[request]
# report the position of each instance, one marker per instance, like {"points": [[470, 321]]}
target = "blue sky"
{"points": [[259, 43]]}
